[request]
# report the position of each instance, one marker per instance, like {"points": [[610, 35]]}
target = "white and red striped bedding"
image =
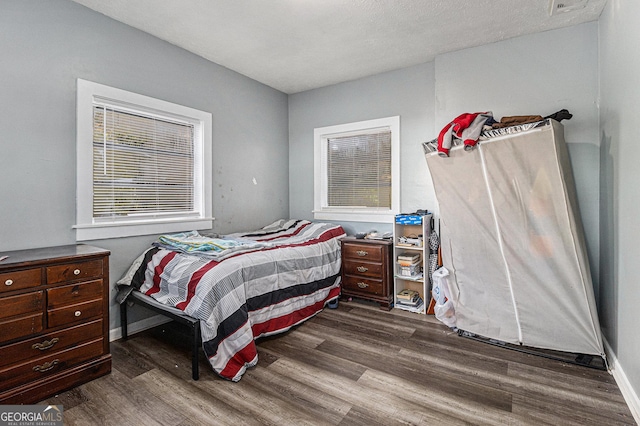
{"points": [[245, 296]]}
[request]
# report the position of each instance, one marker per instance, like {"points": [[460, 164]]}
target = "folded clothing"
{"points": [[215, 248], [512, 120]]}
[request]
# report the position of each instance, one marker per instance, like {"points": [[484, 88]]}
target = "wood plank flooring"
{"points": [[355, 365]]}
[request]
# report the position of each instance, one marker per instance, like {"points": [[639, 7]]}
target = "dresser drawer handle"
{"points": [[362, 269], [77, 313], [363, 285], [76, 272], [362, 253], [8, 282], [46, 366], [46, 344]]}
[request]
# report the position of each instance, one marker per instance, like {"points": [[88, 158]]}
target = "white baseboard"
{"points": [[138, 326], [629, 394]]}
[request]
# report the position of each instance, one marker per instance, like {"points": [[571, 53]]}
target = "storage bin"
{"points": [[411, 271]]}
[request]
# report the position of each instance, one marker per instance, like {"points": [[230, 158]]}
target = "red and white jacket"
{"points": [[466, 127]]}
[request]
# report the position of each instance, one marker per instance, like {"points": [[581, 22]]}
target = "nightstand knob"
{"points": [[77, 313], [76, 272], [363, 285], [361, 253], [362, 269], [8, 282]]}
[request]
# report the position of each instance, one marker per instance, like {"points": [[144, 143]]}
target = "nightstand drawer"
{"points": [[363, 285], [73, 293], [20, 279], [23, 326], [74, 271], [73, 313], [51, 364], [48, 343], [21, 304], [363, 269], [368, 252]]}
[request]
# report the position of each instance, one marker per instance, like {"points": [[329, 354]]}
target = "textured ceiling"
{"points": [[297, 45]]}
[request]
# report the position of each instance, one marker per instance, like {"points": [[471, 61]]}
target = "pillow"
{"points": [[128, 276]]}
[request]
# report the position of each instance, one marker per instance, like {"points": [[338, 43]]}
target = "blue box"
{"points": [[408, 219]]}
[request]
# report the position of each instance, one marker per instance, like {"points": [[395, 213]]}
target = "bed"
{"points": [[259, 283]]}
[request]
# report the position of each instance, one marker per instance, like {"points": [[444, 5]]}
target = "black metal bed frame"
{"points": [[191, 323]]}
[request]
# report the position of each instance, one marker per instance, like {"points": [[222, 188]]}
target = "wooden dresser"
{"points": [[54, 321], [367, 270]]}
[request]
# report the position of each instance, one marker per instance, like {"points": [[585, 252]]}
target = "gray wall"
{"points": [[408, 93], [45, 46], [620, 184], [536, 74]]}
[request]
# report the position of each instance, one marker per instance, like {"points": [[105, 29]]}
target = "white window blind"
{"points": [[143, 165], [359, 170]]}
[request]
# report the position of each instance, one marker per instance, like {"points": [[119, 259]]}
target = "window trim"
{"points": [[321, 135], [86, 227]]}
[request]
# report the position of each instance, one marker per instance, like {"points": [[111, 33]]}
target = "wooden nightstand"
{"points": [[54, 321], [367, 270]]}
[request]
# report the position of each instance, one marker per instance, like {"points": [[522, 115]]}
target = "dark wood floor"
{"points": [[356, 365]]}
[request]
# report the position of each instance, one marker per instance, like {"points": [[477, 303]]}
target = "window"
{"points": [[357, 171], [143, 165]]}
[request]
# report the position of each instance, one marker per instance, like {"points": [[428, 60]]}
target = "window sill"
{"points": [[354, 216], [87, 232]]}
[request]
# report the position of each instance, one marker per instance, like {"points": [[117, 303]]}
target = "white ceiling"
{"points": [[297, 45]]}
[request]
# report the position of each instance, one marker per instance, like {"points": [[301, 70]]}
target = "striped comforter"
{"points": [[243, 297]]}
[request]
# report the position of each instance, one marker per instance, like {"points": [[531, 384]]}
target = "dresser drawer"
{"points": [[23, 326], [70, 314], [49, 364], [48, 343], [22, 304], [363, 269], [369, 252], [363, 285], [74, 293], [74, 271], [20, 279]]}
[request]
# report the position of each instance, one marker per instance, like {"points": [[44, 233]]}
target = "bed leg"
{"points": [[123, 319], [195, 351]]}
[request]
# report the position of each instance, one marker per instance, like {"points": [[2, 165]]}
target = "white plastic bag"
{"points": [[443, 309]]}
